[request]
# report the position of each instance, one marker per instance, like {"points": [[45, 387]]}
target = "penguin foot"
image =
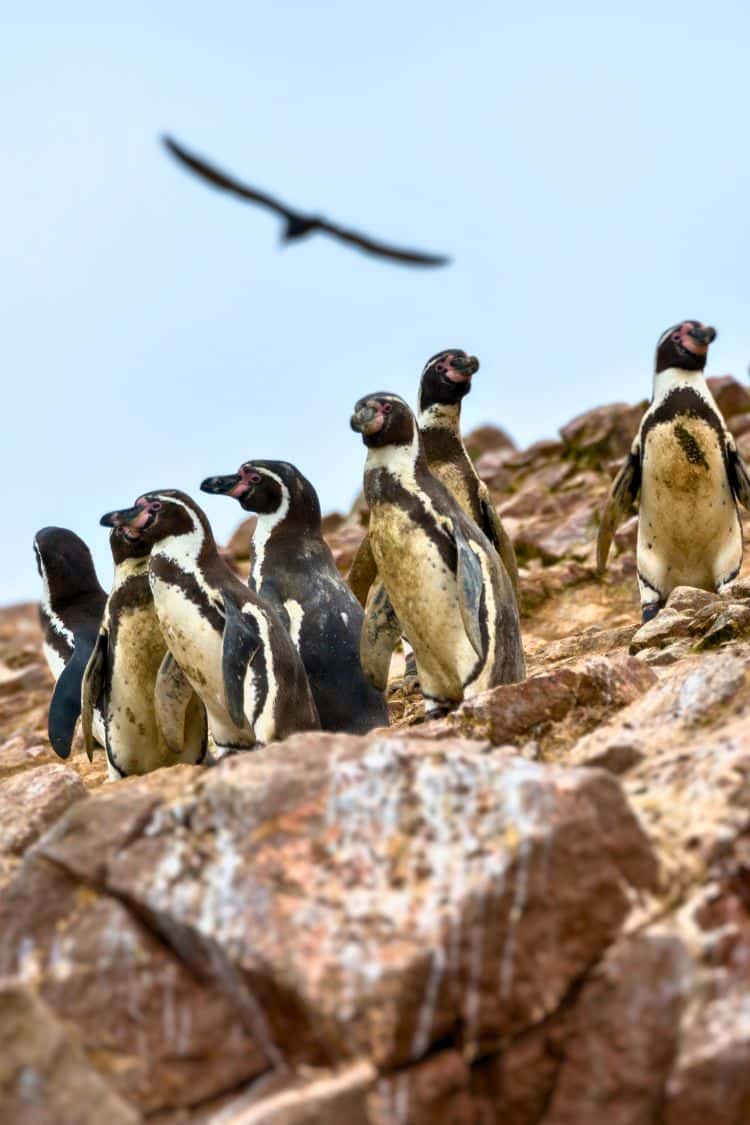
{"points": [[649, 612]]}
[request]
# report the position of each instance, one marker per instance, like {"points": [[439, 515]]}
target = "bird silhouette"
{"points": [[297, 223]]}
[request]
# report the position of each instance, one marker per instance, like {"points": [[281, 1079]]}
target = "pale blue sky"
{"points": [[586, 166]]}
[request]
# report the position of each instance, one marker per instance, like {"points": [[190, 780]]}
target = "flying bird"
{"points": [[297, 223]]}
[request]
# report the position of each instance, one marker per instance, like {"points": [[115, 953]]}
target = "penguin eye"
{"points": [[156, 505], [387, 407], [254, 478], [676, 337]]}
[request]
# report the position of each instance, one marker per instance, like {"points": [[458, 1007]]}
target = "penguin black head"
{"points": [[156, 516], [446, 378], [124, 546], [684, 346], [383, 419], [64, 563], [266, 486]]}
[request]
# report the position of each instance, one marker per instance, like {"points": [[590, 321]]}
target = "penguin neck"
{"points": [[129, 568], [441, 416], [440, 426], [401, 461], [672, 378], [267, 523], [189, 550]]}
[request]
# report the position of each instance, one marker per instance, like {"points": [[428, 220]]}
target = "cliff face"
{"points": [[534, 911]]}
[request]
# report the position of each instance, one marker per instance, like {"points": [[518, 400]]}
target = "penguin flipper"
{"points": [[363, 571], [739, 477], [91, 689], [240, 643], [470, 580], [380, 633], [493, 528], [623, 495], [172, 694]]}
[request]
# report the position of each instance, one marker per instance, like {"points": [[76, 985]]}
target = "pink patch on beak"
{"points": [[239, 489], [457, 376], [140, 520]]}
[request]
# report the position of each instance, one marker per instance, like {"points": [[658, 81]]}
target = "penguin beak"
{"points": [[463, 366], [231, 485], [132, 521], [122, 517], [704, 334], [367, 419]]}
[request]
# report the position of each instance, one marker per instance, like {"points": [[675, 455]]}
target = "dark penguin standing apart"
{"points": [[445, 382], [71, 612], [293, 569], [152, 716], [686, 468], [230, 644], [440, 581]]}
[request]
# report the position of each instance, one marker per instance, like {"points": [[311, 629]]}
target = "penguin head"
{"points": [[446, 378], [684, 346], [124, 546], [383, 419], [156, 516], [64, 563], [266, 487]]}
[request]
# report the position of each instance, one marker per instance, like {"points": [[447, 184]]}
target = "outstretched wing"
{"points": [[379, 636], [623, 495], [363, 571], [240, 643], [492, 526], [738, 476], [382, 249], [470, 581], [92, 688], [225, 182]]}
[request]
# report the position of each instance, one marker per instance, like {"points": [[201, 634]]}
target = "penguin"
{"points": [[685, 466], [440, 580], [294, 571], [70, 613], [152, 716], [445, 382], [230, 644]]}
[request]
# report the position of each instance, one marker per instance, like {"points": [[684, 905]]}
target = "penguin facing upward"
{"points": [[685, 466], [445, 382], [70, 612], [230, 644], [441, 582], [152, 716], [293, 569]]}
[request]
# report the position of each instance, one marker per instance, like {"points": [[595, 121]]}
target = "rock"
{"points": [[485, 439], [623, 1035], [603, 434], [367, 898], [44, 1077], [344, 544], [31, 801], [239, 547], [553, 708], [160, 1036], [732, 398]]}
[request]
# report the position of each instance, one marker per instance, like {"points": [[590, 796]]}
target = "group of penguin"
{"points": [[182, 647]]}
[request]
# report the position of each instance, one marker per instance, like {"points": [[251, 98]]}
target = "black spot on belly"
{"points": [[691, 447]]}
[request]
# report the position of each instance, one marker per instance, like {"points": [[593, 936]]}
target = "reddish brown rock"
{"points": [[32, 800], [157, 1033], [553, 708], [366, 898], [239, 547], [44, 1077], [487, 438], [604, 433], [732, 398]]}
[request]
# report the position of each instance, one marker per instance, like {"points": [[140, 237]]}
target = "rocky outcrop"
{"points": [[535, 911]]}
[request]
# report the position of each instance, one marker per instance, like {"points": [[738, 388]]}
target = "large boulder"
{"points": [[370, 897]]}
